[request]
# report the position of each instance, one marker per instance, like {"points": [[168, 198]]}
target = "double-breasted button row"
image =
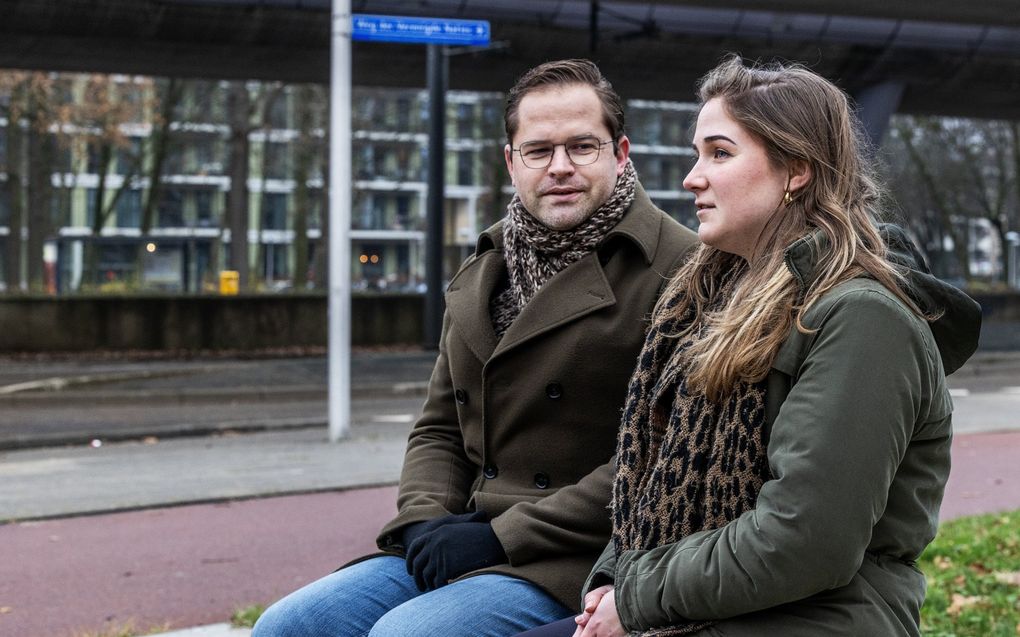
{"points": [[490, 471], [554, 390], [461, 396], [541, 481]]}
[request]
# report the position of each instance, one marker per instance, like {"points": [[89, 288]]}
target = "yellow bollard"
{"points": [[229, 281]]}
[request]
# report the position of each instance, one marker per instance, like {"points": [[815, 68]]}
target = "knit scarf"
{"points": [[534, 253], [684, 464]]}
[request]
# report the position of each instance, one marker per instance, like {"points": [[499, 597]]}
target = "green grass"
{"points": [[973, 572], [247, 616]]}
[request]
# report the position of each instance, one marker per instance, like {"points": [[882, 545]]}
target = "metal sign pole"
{"points": [[437, 81], [340, 224]]}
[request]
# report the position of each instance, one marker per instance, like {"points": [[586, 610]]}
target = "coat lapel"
{"points": [[578, 290], [467, 302]]}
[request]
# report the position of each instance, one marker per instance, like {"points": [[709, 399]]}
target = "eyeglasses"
{"points": [[581, 151]]}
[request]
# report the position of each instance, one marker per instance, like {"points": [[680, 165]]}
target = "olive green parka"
{"points": [[524, 428], [859, 421]]}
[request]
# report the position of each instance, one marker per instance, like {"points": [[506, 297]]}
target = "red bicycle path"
{"points": [[192, 565]]}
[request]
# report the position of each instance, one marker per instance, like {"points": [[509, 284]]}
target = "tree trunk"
{"points": [[160, 144], [304, 157], [943, 209], [91, 275], [239, 110], [42, 154], [13, 186], [321, 257]]}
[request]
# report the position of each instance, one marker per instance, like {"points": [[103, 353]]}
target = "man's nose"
{"points": [[560, 163]]}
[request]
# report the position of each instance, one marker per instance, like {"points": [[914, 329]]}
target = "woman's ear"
{"points": [[800, 175]]}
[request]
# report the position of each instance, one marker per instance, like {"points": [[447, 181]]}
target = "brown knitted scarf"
{"points": [[534, 253], [684, 464]]}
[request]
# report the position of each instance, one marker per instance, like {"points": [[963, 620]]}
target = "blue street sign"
{"points": [[394, 28]]}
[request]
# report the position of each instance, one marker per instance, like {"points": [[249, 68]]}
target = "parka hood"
{"points": [[957, 325]]}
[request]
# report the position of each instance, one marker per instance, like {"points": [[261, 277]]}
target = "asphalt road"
{"points": [[50, 403], [62, 422], [47, 403]]}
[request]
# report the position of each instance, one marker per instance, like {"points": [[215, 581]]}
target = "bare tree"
{"points": [[100, 117], [268, 98], [42, 153], [239, 115], [307, 148], [14, 87], [952, 170], [33, 134]]}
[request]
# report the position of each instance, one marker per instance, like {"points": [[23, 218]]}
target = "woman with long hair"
{"points": [[785, 443]]}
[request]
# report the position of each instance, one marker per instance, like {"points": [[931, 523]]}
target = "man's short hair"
{"points": [[565, 73]]}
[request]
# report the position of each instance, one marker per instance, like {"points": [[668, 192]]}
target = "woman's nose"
{"points": [[694, 180]]}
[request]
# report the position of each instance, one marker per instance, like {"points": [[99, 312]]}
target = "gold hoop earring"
{"points": [[787, 198]]}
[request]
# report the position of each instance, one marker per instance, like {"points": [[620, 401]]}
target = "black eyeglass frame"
{"points": [[566, 148]]}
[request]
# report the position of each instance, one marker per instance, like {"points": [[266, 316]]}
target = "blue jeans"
{"points": [[377, 597]]}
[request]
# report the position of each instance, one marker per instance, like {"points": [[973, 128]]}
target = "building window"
{"points": [[277, 160], [129, 157], [277, 265], [129, 209], [465, 121], [5, 206], [204, 208], [171, 209], [274, 211], [278, 109], [403, 114], [90, 207], [315, 212], [207, 153], [92, 159], [3, 149], [403, 217], [116, 261], [466, 167]]}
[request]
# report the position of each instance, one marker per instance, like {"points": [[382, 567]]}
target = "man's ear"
{"points": [[508, 155], [800, 175], [622, 154]]}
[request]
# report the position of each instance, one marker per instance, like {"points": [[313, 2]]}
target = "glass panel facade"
{"points": [[389, 165], [274, 211], [129, 209]]}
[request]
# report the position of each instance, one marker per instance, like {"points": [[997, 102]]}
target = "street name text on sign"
{"points": [[410, 30]]}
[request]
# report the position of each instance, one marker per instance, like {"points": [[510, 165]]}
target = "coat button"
{"points": [[461, 396], [541, 481], [554, 390], [490, 471]]}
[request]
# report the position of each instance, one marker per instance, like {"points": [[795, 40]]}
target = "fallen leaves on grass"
{"points": [[960, 602], [1012, 577]]}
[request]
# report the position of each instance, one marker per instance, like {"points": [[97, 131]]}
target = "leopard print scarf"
{"points": [[684, 464], [534, 253]]}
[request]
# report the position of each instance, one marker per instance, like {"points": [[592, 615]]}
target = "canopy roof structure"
{"points": [[948, 57]]}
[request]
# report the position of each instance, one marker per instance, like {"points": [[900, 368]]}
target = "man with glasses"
{"points": [[508, 474]]}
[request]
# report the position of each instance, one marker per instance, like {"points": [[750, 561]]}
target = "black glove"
{"points": [[414, 531], [452, 550]]}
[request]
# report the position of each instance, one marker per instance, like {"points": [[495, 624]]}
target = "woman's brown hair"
{"points": [[803, 120]]}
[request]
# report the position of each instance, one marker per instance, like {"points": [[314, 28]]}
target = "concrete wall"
{"points": [[63, 324], [207, 322]]}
